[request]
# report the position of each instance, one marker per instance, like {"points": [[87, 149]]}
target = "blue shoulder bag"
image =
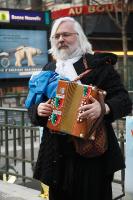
{"points": [[43, 84]]}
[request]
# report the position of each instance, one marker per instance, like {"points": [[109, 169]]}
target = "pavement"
{"points": [[10, 191]]}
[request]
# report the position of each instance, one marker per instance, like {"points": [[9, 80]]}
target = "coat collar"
{"points": [[79, 65], [95, 60]]}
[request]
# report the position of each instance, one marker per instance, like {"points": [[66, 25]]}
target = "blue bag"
{"points": [[43, 84]]}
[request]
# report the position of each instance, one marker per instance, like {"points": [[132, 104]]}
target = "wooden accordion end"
{"points": [[69, 97]]}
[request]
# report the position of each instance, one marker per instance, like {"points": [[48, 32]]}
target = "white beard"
{"points": [[64, 54], [68, 53]]}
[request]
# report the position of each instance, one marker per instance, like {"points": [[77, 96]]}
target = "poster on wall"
{"points": [[129, 158], [22, 52]]}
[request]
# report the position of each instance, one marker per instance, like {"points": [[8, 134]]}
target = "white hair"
{"points": [[85, 46]]}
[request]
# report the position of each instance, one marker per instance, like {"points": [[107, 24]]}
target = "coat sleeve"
{"points": [[34, 118], [117, 97]]}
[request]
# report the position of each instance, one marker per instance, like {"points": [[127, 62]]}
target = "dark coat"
{"points": [[54, 147]]}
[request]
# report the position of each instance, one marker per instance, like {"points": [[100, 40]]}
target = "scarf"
{"points": [[65, 68]]}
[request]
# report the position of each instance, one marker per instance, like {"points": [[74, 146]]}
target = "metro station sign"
{"points": [[24, 17]]}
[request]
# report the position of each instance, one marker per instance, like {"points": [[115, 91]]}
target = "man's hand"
{"points": [[90, 111], [45, 109]]}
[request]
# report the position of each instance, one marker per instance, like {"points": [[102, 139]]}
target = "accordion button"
{"points": [[81, 135], [92, 137]]}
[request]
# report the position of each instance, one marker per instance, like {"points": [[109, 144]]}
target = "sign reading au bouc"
{"points": [[87, 9]]}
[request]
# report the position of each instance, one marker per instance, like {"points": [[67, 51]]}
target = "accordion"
{"points": [[69, 97]]}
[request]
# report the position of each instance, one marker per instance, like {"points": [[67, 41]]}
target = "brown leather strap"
{"points": [[85, 62], [85, 72], [99, 120], [82, 75]]}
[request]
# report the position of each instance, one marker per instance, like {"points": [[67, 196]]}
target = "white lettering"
{"points": [[17, 17], [37, 18]]}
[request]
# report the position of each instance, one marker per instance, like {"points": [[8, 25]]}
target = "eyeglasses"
{"points": [[64, 35]]}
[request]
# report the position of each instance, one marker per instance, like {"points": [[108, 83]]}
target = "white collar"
{"points": [[65, 68]]}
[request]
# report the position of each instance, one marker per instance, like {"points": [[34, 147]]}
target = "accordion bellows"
{"points": [[69, 97]]}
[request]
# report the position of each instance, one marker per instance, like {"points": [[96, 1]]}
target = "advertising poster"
{"points": [[129, 159], [22, 52]]}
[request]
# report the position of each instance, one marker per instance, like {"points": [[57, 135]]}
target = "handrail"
{"points": [[14, 109]]}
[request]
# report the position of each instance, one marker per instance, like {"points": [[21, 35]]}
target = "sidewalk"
{"points": [[10, 191], [16, 192]]}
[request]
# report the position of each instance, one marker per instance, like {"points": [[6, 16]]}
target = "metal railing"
{"points": [[19, 144], [16, 100]]}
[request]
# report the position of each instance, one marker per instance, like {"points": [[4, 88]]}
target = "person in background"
{"points": [[69, 175]]}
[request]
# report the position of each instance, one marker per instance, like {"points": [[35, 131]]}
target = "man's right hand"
{"points": [[45, 109]]}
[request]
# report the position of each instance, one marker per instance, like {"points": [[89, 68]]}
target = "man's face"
{"points": [[66, 40]]}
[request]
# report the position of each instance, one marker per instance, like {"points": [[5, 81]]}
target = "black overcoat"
{"points": [[55, 150]]}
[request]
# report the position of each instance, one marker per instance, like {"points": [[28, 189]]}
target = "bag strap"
{"points": [[82, 75], [99, 120]]}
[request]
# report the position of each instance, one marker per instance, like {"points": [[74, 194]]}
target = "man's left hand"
{"points": [[90, 111]]}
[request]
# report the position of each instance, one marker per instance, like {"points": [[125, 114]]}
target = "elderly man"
{"points": [[69, 175]]}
